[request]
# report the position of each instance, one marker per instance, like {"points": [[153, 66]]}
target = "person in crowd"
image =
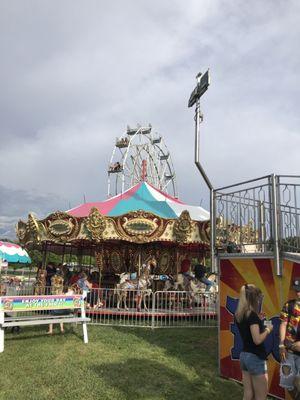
{"points": [[253, 333], [200, 274], [51, 271], [60, 313], [86, 285], [289, 343]]}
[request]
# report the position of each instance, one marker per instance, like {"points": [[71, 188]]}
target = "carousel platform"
{"points": [[196, 312]]}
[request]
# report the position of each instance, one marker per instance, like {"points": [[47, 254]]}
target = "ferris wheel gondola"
{"points": [[141, 155]]}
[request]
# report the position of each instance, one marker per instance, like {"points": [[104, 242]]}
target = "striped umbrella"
{"points": [[13, 253]]}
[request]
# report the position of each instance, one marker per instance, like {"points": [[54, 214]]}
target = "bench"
{"points": [[41, 310]]}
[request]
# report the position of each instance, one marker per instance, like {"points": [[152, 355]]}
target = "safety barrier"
{"points": [[162, 309], [143, 308]]}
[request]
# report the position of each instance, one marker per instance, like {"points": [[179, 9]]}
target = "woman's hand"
{"points": [[295, 346], [269, 328]]}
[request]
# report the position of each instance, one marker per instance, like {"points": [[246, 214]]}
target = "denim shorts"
{"points": [[289, 369], [252, 363]]}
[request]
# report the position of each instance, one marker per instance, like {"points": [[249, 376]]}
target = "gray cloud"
{"points": [[74, 75]]}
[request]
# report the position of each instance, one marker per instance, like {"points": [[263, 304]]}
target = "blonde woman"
{"points": [[253, 332]]}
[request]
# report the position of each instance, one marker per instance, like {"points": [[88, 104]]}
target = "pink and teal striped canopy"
{"points": [[142, 196], [13, 253]]}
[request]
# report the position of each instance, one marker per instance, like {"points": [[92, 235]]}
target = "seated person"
{"points": [[51, 271], [200, 271], [185, 269], [83, 282], [74, 278], [117, 166]]}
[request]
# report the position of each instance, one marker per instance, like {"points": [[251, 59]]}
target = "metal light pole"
{"points": [[203, 82]]}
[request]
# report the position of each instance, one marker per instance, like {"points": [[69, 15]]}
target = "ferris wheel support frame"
{"points": [[158, 159]]}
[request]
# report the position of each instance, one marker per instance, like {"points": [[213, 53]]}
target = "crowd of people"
{"points": [[254, 331], [61, 280], [84, 280]]}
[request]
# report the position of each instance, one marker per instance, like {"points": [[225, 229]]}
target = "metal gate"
{"points": [[162, 309]]}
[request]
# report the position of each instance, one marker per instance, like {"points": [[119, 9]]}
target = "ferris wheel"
{"points": [[140, 155]]}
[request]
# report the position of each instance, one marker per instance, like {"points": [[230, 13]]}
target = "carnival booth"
{"points": [[263, 219]]}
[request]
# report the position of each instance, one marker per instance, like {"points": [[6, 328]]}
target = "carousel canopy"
{"points": [[142, 196]]}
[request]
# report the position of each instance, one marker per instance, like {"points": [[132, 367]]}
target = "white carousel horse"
{"points": [[191, 284], [139, 285], [194, 287]]}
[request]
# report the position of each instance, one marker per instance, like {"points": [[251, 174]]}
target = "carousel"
{"points": [[143, 230], [123, 233]]}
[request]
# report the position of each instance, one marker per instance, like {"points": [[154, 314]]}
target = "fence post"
{"points": [[1, 327], [262, 225], [153, 311], [84, 327], [275, 230], [213, 231]]}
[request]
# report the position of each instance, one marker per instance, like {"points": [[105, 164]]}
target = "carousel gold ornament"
{"points": [[57, 284], [21, 231], [183, 227], [62, 227], [140, 226], [40, 284], [95, 224], [99, 260], [34, 227]]}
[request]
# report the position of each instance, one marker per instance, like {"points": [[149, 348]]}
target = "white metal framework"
{"points": [[139, 154]]}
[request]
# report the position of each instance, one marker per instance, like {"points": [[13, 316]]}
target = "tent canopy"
{"points": [[13, 253], [142, 196]]}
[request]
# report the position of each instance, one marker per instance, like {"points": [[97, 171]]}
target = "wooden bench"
{"points": [[42, 311]]}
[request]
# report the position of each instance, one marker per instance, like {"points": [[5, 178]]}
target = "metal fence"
{"points": [[258, 215], [161, 309], [289, 211]]}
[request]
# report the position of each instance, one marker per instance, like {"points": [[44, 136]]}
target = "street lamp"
{"points": [[203, 81]]}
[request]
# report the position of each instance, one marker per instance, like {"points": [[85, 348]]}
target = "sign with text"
{"points": [[38, 303]]}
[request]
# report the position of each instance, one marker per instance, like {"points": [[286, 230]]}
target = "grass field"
{"points": [[118, 363]]}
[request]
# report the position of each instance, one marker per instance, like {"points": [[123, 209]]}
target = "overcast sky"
{"points": [[73, 74]]}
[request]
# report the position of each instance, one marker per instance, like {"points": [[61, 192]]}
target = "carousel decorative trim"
{"points": [[183, 227], [61, 226], [95, 224], [140, 226], [135, 227]]}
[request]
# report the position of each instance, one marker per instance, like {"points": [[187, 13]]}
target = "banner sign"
{"points": [[38, 303]]}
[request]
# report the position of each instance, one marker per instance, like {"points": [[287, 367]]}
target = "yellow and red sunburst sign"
{"points": [[235, 272]]}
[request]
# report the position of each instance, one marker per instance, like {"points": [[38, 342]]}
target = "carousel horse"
{"points": [[57, 284], [140, 285], [193, 286], [40, 284]]}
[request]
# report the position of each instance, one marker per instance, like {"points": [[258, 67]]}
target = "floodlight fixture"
{"points": [[203, 82]]}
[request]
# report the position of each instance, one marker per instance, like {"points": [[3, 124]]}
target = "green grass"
{"points": [[118, 363]]}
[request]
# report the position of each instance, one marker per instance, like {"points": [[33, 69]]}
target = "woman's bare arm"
{"points": [[258, 337]]}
